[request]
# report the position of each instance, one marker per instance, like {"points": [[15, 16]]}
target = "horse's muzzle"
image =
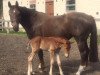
{"points": [[16, 29]]}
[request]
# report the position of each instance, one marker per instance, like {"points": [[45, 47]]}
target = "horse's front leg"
{"points": [[84, 53], [41, 64]]}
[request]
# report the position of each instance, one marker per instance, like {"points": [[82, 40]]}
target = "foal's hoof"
{"points": [[33, 73], [41, 71]]}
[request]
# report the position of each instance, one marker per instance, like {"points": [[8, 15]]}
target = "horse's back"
{"points": [[79, 23], [67, 25]]}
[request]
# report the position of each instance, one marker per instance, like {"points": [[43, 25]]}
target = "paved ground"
{"points": [[13, 58]]}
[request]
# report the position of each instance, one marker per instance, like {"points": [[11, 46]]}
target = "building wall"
{"points": [[40, 5], [25, 3], [59, 7], [90, 7]]}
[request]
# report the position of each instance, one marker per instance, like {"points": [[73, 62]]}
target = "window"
{"points": [[70, 5], [97, 13], [33, 6]]}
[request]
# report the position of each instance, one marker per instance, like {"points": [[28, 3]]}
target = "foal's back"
{"points": [[49, 43]]}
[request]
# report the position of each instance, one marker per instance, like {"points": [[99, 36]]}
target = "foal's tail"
{"points": [[93, 56]]}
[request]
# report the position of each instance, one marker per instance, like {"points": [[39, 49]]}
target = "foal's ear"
{"points": [[71, 42], [17, 4], [9, 4]]}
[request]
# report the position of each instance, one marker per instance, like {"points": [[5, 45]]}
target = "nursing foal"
{"points": [[51, 44]]}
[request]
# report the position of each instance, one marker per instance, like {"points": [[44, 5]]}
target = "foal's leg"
{"points": [[51, 62], [84, 52], [41, 64], [59, 63], [30, 63], [66, 52]]}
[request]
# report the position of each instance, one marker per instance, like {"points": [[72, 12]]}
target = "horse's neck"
{"points": [[26, 22], [32, 21]]}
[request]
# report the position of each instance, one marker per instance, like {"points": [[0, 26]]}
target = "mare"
{"points": [[51, 44], [74, 24]]}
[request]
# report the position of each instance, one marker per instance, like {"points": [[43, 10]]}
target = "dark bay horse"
{"points": [[75, 24]]}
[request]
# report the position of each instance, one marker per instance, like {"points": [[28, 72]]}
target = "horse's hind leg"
{"points": [[41, 64], [59, 63], [30, 58], [84, 52]]}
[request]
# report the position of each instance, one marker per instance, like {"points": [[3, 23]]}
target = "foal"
{"points": [[51, 44]]}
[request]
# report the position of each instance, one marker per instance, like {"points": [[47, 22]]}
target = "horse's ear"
{"points": [[17, 4], [9, 4]]}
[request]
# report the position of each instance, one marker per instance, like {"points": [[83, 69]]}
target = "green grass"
{"points": [[13, 33], [98, 39], [24, 34]]}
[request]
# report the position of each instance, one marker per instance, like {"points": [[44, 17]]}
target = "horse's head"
{"points": [[14, 15]]}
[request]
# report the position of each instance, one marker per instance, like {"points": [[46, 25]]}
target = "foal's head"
{"points": [[14, 15]]}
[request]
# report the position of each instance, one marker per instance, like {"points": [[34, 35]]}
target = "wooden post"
{"points": [[8, 27]]}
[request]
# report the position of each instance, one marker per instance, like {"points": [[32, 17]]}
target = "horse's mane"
{"points": [[32, 11], [26, 10]]}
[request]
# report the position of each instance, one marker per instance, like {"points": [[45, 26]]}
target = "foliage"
{"points": [[1, 7]]}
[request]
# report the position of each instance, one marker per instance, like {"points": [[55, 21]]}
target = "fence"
{"points": [[5, 25]]}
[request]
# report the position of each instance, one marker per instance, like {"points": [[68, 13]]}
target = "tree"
{"points": [[1, 7]]}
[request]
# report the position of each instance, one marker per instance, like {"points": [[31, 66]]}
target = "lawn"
{"points": [[25, 35]]}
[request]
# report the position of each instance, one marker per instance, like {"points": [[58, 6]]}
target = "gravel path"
{"points": [[14, 53]]}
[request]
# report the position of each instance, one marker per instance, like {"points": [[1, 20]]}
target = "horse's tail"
{"points": [[93, 56]]}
